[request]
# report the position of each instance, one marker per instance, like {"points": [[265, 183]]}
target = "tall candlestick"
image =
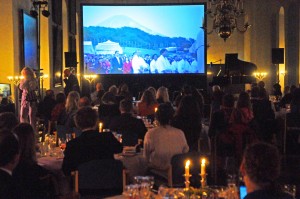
{"points": [[100, 127]]}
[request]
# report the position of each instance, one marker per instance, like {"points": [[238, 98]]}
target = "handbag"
{"points": [[31, 96]]}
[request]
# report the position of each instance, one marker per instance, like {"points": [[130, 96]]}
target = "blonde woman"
{"points": [[29, 86], [162, 95]]}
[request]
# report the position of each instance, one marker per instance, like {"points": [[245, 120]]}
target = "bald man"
{"points": [[71, 82]]}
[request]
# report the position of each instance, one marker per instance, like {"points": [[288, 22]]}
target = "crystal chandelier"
{"points": [[225, 14]]}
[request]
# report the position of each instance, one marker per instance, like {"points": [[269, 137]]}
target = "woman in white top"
{"points": [[163, 142], [29, 86]]}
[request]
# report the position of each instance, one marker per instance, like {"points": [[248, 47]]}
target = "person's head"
{"points": [[228, 101], [260, 164], [164, 113], [216, 88], [72, 101], [148, 98], [189, 107], [255, 91], [9, 150], [27, 142], [244, 100], [261, 84], [50, 94], [163, 93], [86, 118], [8, 120], [163, 51], [113, 89], [108, 98], [99, 86], [67, 72], [152, 90], [84, 101], [286, 90], [277, 89], [154, 56], [117, 53], [125, 106], [28, 73], [60, 98]]}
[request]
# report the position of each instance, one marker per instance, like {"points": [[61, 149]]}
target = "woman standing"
{"points": [[29, 86]]}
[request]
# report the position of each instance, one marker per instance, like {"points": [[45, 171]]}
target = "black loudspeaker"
{"points": [[277, 55], [70, 59]]}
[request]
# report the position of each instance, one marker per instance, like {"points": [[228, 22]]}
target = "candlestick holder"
{"points": [[203, 181], [187, 181]]}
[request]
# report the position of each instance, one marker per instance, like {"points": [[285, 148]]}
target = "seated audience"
{"points": [[7, 105], [295, 103], [163, 142], [46, 106], [113, 89], [260, 169], [188, 118], [277, 91], [152, 90], [84, 101], [28, 173], [8, 121], [97, 95], [9, 158], [123, 93], [130, 127], [108, 109], [91, 144], [147, 105]]}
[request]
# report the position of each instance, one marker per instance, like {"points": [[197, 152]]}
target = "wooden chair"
{"points": [[100, 178]]}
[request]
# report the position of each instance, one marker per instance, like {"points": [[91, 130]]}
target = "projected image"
{"points": [[30, 41], [148, 39]]}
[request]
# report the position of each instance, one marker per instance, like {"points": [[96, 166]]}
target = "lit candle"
{"points": [[155, 110], [203, 166], [187, 168], [100, 127]]}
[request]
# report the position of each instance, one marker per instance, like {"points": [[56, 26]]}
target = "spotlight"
{"points": [[46, 13], [33, 13]]}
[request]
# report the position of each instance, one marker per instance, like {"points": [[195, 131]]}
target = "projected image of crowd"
{"points": [[139, 63]]}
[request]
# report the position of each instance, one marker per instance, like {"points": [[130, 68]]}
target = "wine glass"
{"points": [[62, 146]]}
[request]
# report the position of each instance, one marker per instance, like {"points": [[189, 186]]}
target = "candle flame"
{"points": [[155, 110], [187, 164], [203, 161]]}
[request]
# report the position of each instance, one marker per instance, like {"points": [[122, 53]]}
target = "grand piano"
{"points": [[236, 72]]}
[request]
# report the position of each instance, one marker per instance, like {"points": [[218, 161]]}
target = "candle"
{"points": [[100, 127], [155, 110], [187, 168], [203, 166]]}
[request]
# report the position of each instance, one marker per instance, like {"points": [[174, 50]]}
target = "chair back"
{"points": [[101, 177]]}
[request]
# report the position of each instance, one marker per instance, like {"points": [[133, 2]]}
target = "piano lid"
{"points": [[235, 66]]}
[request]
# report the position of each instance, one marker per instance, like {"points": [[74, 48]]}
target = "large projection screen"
{"points": [[144, 39]]}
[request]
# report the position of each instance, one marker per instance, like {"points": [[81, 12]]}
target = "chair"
{"points": [[100, 178], [291, 133]]}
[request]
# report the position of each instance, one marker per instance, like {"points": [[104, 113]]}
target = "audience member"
{"points": [[108, 109], [8, 121], [46, 106], [113, 89], [147, 105], [163, 142], [260, 169], [152, 90], [162, 95], [295, 103], [288, 96], [84, 101], [7, 105], [217, 95], [28, 173], [130, 127], [277, 90], [91, 144], [97, 95], [123, 93], [188, 118], [9, 158]]}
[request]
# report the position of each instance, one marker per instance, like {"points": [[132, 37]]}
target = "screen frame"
{"points": [[10, 91], [22, 41], [143, 74]]}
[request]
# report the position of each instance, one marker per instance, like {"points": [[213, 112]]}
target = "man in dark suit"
{"points": [[130, 127], [9, 158], [91, 144], [71, 82], [116, 64]]}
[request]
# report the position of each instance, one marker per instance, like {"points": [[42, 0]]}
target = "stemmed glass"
{"points": [[62, 146]]}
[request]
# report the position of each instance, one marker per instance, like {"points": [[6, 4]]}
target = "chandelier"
{"points": [[225, 14]]}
